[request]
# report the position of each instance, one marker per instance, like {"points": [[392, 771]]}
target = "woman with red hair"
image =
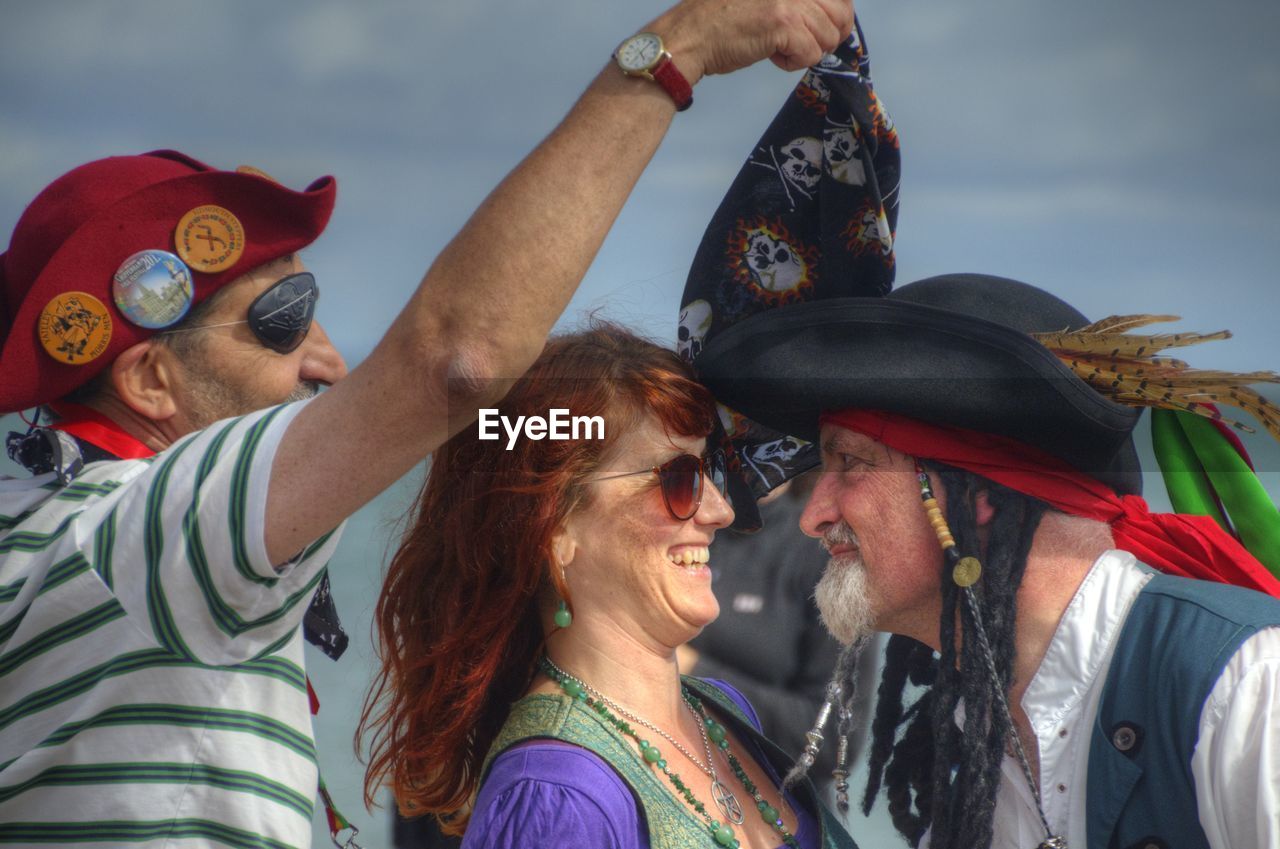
{"points": [[529, 690]]}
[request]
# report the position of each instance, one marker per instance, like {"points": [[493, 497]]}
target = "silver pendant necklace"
{"points": [[720, 792]]}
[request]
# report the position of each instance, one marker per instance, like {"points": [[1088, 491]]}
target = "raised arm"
{"points": [[481, 315]]}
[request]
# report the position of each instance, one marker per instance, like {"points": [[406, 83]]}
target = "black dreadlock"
{"points": [[905, 660], [937, 776]]}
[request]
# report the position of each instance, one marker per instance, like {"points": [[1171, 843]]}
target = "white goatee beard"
{"points": [[842, 593], [842, 600]]}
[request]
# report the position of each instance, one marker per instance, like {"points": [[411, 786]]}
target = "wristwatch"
{"points": [[642, 55]]}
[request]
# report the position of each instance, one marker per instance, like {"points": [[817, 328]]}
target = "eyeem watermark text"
{"points": [[557, 425]]}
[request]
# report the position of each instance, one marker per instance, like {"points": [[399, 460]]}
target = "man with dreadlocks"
{"points": [[1067, 667], [1079, 688]]}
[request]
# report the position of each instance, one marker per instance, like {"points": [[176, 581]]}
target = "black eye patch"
{"points": [[281, 316]]}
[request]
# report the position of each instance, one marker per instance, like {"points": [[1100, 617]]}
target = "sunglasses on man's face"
{"points": [[281, 316], [682, 480]]}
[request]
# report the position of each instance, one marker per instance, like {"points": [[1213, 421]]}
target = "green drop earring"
{"points": [[563, 617]]}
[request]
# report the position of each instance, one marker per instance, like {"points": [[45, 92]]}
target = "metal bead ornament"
{"points": [[814, 736], [712, 732], [965, 571], [841, 771]]}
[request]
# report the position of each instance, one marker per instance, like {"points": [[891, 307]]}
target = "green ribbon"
{"points": [[1203, 470]]}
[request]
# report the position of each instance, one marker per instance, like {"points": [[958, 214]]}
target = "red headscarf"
{"points": [[1191, 546]]}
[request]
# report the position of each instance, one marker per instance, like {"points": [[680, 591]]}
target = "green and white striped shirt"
{"points": [[151, 681]]}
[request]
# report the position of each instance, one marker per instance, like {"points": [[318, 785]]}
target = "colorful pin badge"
{"points": [[74, 328], [153, 289], [209, 239]]}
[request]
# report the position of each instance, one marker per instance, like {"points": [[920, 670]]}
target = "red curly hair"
{"points": [[458, 623]]}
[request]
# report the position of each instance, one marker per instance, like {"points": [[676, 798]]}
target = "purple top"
{"points": [[548, 794]]}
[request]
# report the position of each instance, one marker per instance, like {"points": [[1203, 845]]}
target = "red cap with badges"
{"points": [[118, 248]]}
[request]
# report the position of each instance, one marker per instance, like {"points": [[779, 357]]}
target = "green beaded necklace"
{"points": [[721, 833]]}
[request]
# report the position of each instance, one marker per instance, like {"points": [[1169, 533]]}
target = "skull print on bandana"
{"points": [[695, 321], [840, 153], [811, 215], [800, 163], [770, 460]]}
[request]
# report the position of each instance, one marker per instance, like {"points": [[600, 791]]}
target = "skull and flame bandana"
{"points": [[811, 215]]}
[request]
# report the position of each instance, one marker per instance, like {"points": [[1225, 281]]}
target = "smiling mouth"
{"points": [[691, 559], [841, 541]]}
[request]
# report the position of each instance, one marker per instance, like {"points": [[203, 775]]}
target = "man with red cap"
{"points": [[154, 572], [1084, 671]]}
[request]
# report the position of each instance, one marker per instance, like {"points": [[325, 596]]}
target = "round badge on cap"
{"points": [[209, 239], [153, 289], [74, 328]]}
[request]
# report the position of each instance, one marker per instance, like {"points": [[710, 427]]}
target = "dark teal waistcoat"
{"points": [[1177, 638]]}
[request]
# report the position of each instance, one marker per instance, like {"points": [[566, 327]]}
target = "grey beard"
{"points": [[211, 400], [842, 600], [304, 391]]}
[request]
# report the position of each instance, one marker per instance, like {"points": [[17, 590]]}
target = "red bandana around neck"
{"points": [[1179, 544], [96, 429]]}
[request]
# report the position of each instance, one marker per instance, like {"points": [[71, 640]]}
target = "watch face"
{"points": [[640, 52]]}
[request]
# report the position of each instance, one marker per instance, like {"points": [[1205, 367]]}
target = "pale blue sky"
{"points": [[1119, 153]]}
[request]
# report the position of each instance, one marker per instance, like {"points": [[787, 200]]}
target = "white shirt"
{"points": [[151, 682], [1236, 763]]}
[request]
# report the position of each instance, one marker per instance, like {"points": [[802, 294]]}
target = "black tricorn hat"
{"points": [[950, 350]]}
